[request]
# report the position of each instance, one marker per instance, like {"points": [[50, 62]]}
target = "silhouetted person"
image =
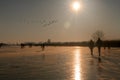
{"points": [[43, 46], [108, 45], [22, 45], [91, 46], [1, 45], [104, 45], [99, 45], [30, 45]]}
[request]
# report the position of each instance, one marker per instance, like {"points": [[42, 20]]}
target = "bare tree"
{"points": [[97, 34]]}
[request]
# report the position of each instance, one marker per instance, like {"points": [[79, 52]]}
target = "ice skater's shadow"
{"points": [[98, 58], [43, 56], [39, 51]]}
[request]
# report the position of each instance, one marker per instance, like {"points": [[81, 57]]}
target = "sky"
{"points": [[40, 20]]}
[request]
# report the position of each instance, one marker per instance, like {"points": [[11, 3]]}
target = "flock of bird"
{"points": [[44, 23]]}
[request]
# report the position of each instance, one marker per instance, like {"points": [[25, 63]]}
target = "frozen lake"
{"points": [[58, 63]]}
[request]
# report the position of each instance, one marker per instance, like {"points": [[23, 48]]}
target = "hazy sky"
{"points": [[39, 20]]}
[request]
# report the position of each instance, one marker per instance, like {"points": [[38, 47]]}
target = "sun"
{"points": [[76, 5]]}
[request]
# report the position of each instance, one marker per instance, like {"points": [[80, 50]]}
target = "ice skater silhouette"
{"points": [[99, 45], [43, 46], [91, 46]]}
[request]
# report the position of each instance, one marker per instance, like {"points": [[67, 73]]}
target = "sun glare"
{"points": [[76, 5], [77, 74]]}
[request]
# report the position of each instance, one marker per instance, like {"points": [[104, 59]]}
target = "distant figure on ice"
{"points": [[108, 45], [91, 46], [22, 45], [99, 45], [43, 46], [1, 45]]}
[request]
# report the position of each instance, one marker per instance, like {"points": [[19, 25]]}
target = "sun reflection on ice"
{"points": [[77, 65]]}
